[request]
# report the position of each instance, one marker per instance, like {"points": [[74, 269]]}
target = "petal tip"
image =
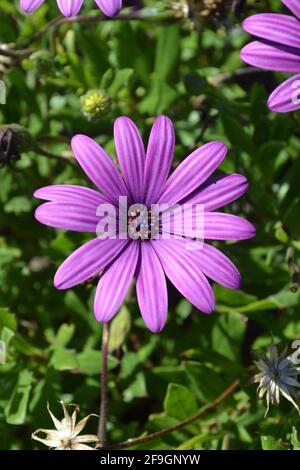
{"points": [[79, 140], [220, 147], [37, 192], [155, 328], [38, 214], [110, 8], [237, 283], [246, 52], [210, 309], [58, 281], [252, 230]]}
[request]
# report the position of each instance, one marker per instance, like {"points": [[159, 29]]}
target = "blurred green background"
{"points": [[195, 76]]}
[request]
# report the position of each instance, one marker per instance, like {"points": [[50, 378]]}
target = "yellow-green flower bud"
{"points": [[95, 104]]}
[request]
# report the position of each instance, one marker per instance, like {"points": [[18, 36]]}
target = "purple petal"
{"points": [[192, 172], [219, 191], [99, 167], [159, 157], [282, 29], [71, 194], [208, 225], [79, 217], [115, 282], [151, 289], [184, 272], [219, 226], [69, 7], [30, 5], [87, 261], [293, 6], [286, 97], [109, 7], [215, 265], [131, 156], [270, 57]]}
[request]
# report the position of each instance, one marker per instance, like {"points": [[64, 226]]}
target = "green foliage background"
{"points": [[197, 78]]}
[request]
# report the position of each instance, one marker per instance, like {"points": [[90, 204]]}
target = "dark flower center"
{"points": [[143, 223]]}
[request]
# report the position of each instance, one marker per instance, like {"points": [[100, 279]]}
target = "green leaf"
{"points": [[64, 335], [62, 244], [89, 362], [7, 254], [137, 388], [106, 79], [281, 300], [6, 335], [18, 205], [159, 99], [24, 346], [7, 319], [194, 442], [237, 135], [167, 51], [180, 402], [271, 443], [16, 409], [295, 440], [281, 234], [64, 359], [121, 80], [232, 298], [228, 334], [203, 381], [119, 329]]}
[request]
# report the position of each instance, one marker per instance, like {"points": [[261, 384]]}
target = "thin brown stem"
{"points": [[157, 435], [144, 14], [8, 50], [293, 269], [52, 138], [226, 441], [104, 387], [46, 153]]}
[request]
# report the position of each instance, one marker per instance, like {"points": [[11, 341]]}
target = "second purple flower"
{"points": [[277, 49]]}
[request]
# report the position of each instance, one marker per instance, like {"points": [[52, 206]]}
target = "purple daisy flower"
{"points": [[145, 179], [279, 50], [72, 7]]}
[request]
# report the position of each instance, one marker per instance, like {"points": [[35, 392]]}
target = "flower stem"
{"points": [[157, 435], [104, 387], [293, 269], [46, 153], [145, 14]]}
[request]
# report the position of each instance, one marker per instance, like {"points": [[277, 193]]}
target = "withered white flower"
{"points": [[278, 375], [65, 436]]}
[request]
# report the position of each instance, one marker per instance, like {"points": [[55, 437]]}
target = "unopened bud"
{"points": [[95, 104]]}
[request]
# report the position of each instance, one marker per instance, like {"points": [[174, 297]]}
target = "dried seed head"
{"points": [[66, 436], [277, 376], [200, 11], [14, 139]]}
